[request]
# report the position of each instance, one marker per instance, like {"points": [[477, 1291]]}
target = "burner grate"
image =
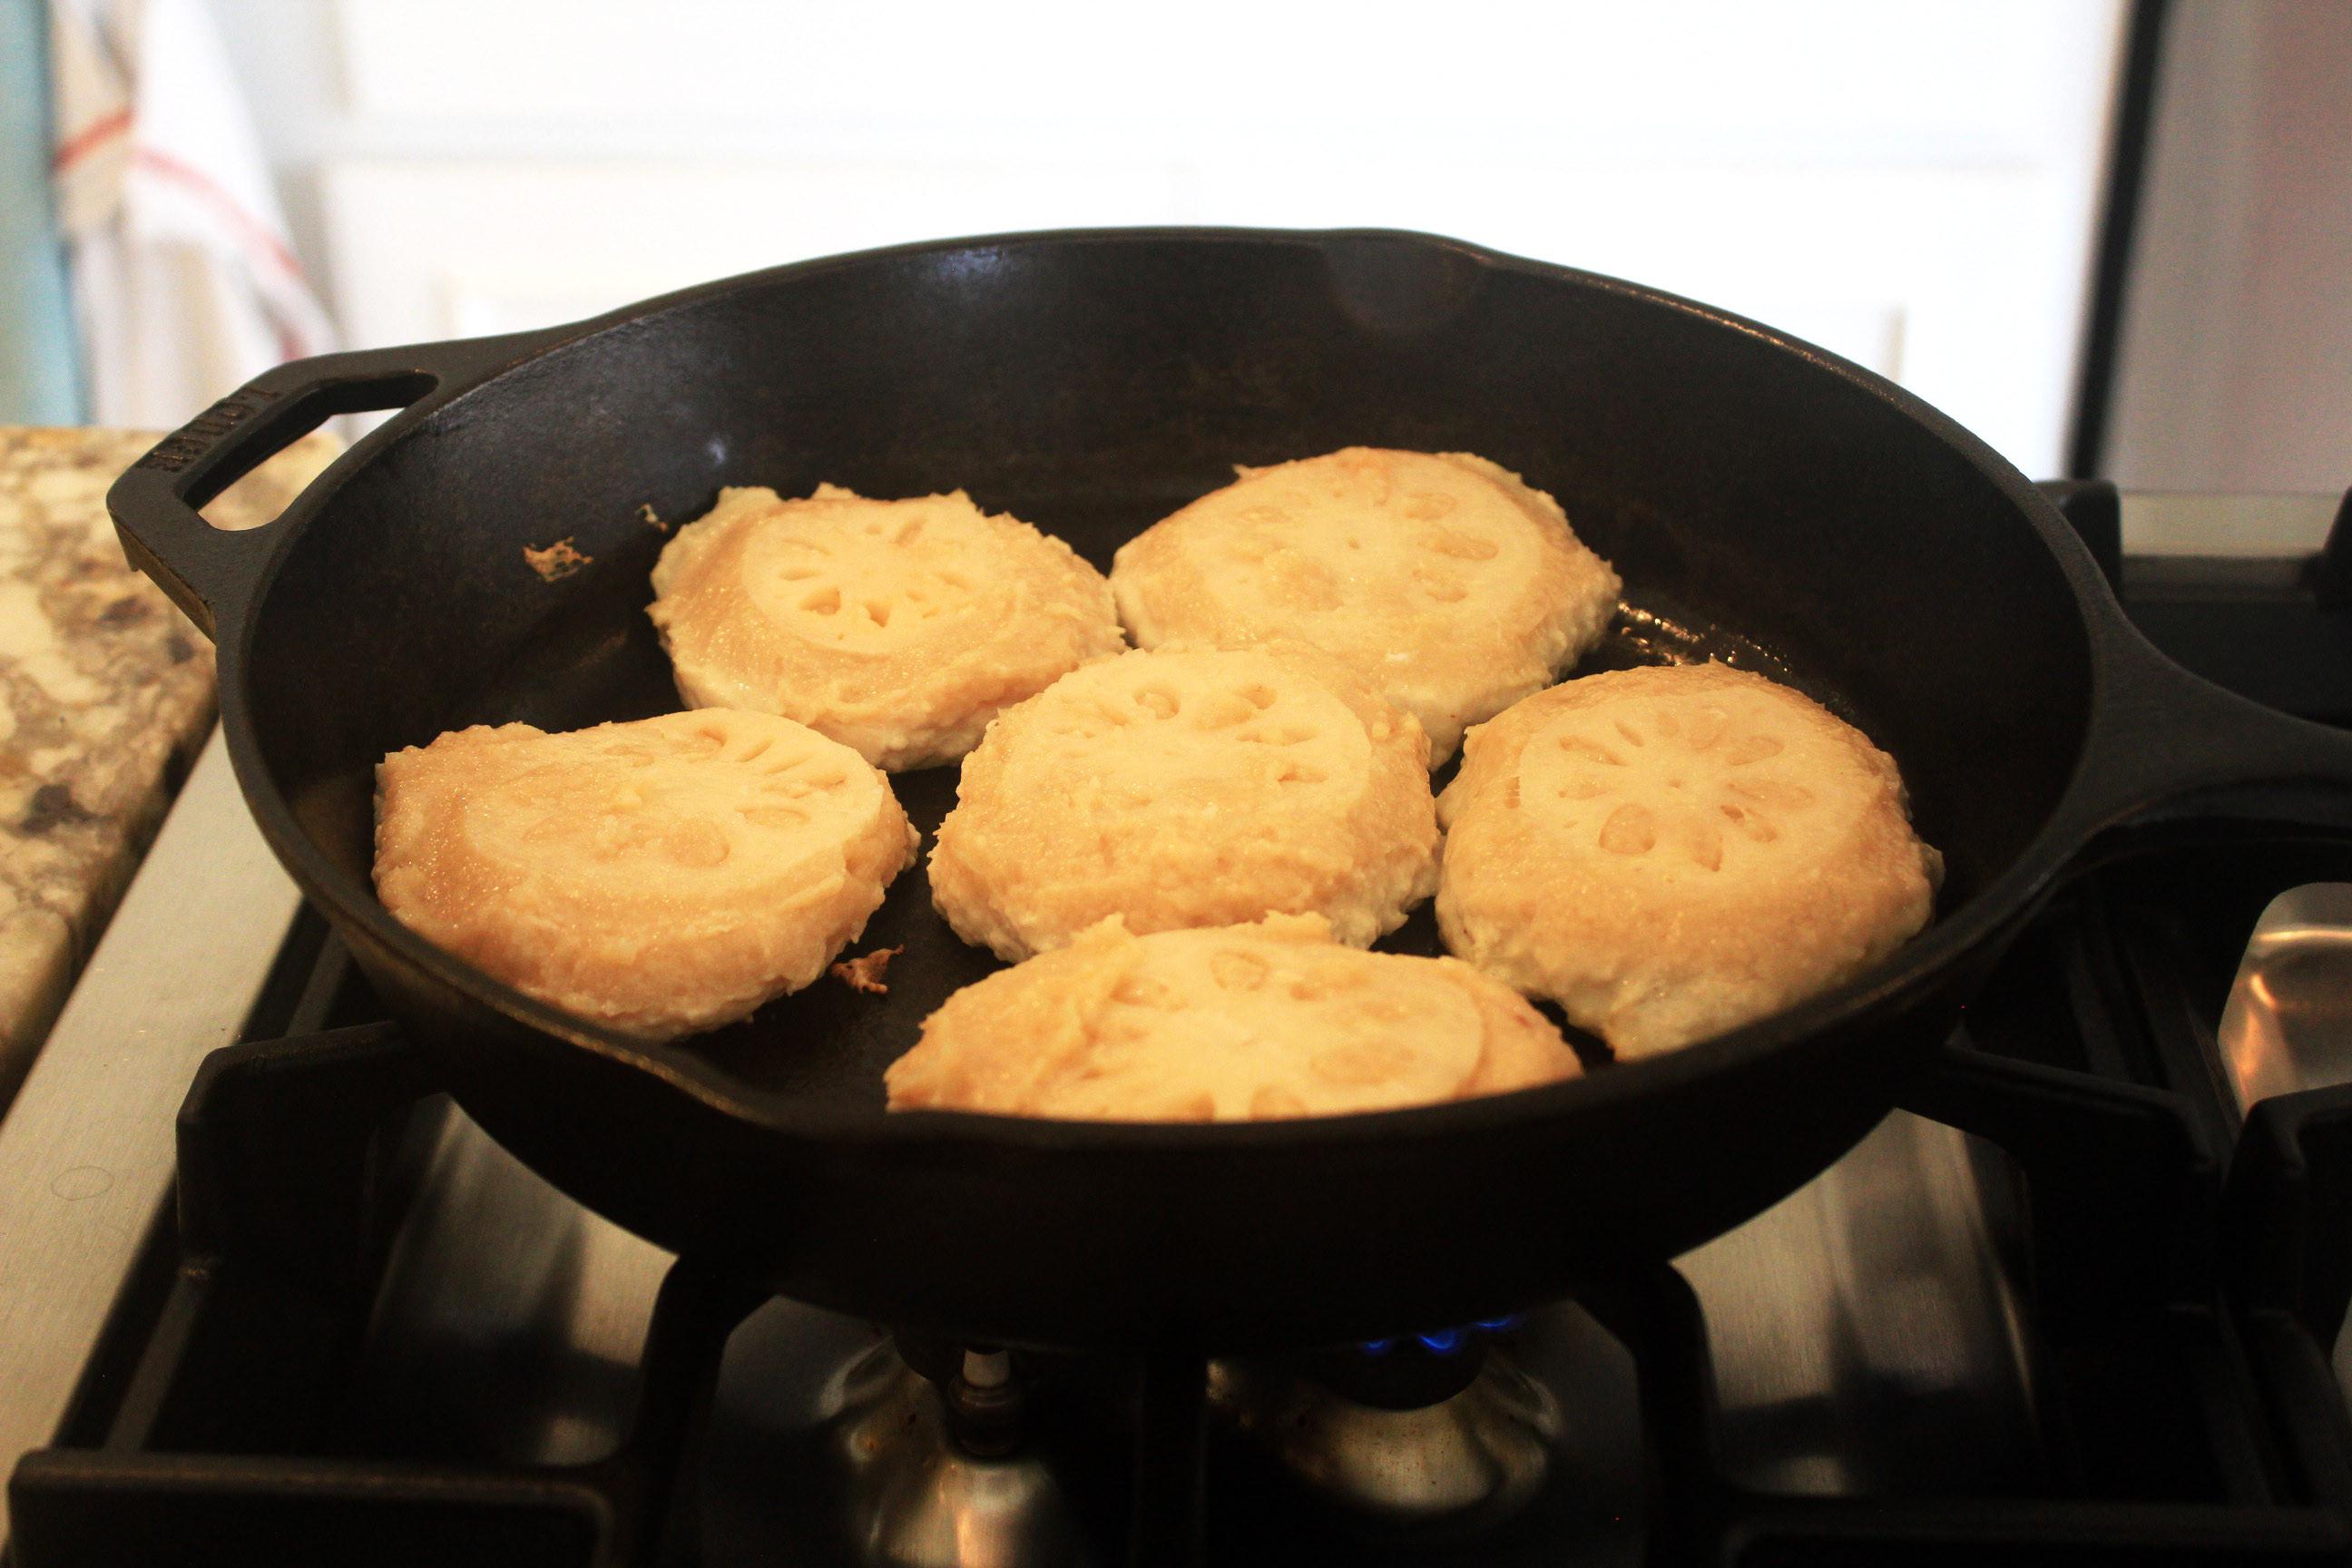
{"points": [[248, 1356], [2177, 1328]]}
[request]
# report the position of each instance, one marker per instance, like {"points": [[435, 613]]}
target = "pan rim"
{"points": [[1883, 990]]}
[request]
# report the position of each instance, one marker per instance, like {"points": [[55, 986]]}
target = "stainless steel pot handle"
{"points": [[155, 502]]}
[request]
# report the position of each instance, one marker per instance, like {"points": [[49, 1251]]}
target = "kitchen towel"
{"points": [[183, 284]]}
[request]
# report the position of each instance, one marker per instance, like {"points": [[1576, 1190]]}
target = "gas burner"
{"points": [[937, 1477], [1439, 1434]]}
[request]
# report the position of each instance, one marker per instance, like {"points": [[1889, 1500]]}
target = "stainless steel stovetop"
{"points": [[2065, 1319]]}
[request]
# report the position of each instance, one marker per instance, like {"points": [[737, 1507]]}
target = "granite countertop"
{"points": [[106, 692]]}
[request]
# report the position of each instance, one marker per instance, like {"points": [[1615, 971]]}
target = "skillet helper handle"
{"points": [[155, 504]]}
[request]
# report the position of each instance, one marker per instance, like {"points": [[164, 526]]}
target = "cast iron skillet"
{"points": [[1758, 495]]}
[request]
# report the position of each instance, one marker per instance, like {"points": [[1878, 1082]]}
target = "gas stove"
{"points": [[2078, 1302]]}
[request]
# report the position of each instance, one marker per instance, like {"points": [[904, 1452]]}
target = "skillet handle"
{"points": [[209, 570], [2164, 741]]}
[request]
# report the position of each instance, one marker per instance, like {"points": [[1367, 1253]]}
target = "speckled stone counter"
{"points": [[106, 690]]}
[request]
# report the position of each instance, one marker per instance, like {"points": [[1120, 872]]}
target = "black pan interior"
{"points": [[1759, 506]]}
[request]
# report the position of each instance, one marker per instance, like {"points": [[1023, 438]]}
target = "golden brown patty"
{"points": [[1672, 853], [1188, 788], [1449, 587], [659, 876], [1225, 1024], [897, 627]]}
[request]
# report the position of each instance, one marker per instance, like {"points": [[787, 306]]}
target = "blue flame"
{"points": [[1446, 1341]]}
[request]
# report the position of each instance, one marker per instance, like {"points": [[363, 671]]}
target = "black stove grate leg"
{"points": [[1656, 1316], [2119, 1181], [650, 1479], [1167, 1529]]}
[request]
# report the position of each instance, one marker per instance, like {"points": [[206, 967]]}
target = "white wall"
{"points": [[1912, 187], [2235, 368]]}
